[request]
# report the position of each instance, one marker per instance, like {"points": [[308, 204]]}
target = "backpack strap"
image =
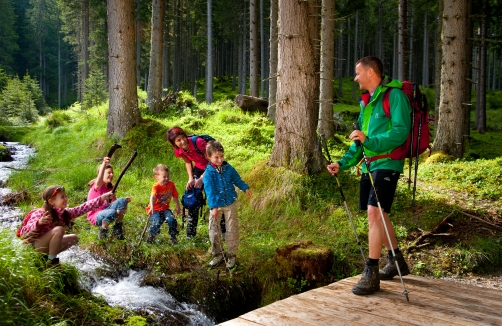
{"points": [[386, 102], [194, 141]]}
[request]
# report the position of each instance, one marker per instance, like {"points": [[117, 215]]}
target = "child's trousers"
{"points": [[158, 218], [232, 226]]}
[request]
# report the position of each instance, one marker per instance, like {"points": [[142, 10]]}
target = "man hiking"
{"points": [[378, 135]]}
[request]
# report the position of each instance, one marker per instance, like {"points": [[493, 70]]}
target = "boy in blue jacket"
{"points": [[219, 181]]}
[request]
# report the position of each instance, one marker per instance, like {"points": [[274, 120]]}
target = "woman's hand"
{"points": [[190, 183], [198, 183]]}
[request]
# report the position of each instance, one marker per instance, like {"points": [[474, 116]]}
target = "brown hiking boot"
{"points": [[369, 282], [390, 269]]}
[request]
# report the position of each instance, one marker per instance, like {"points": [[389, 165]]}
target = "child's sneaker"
{"points": [[230, 262], [117, 231], [102, 234], [216, 260]]}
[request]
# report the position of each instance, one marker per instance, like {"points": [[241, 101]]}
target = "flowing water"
{"points": [[125, 291]]}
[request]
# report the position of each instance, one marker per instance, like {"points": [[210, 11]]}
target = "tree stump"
{"points": [[251, 104]]}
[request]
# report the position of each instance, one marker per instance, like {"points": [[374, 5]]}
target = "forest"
{"points": [[77, 76]]}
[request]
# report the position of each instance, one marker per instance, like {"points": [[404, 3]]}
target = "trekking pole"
{"points": [[416, 161], [366, 160], [322, 141]]}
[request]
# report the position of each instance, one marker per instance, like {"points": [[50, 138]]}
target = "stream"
{"points": [[125, 291]]}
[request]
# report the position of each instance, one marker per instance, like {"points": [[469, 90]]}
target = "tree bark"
{"points": [[401, 42], [253, 48], [123, 113], [209, 56], [450, 136], [297, 88], [325, 125], [154, 93], [481, 94], [272, 85], [437, 70]]}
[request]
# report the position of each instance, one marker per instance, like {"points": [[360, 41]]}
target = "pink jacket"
{"points": [[199, 160], [31, 230]]}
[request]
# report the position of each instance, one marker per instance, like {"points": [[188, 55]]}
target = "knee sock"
{"points": [[397, 251], [372, 262]]}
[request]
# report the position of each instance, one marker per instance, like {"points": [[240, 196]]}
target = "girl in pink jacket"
{"points": [[45, 227]]}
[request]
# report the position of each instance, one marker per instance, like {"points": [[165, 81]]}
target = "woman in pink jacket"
{"points": [[45, 227]]}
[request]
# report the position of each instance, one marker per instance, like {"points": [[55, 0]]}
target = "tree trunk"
{"points": [[481, 95], [450, 135], [425, 62], [272, 85], [401, 42], [209, 56], [263, 54], [138, 43], [295, 138], [339, 60], [154, 93], [253, 48], [165, 53], [468, 73], [123, 113], [437, 63], [325, 125]]}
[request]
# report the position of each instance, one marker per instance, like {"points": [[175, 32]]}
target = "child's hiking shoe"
{"points": [[230, 262], [52, 262], [216, 260], [173, 241], [150, 238], [390, 269], [369, 282], [102, 233], [117, 231]]}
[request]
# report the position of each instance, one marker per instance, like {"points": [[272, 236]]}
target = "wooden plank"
{"points": [[432, 302]]}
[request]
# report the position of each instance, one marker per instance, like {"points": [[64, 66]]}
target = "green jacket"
{"points": [[383, 134]]}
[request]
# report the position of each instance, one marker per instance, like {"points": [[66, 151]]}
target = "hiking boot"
{"points": [[173, 241], [216, 260], [102, 234], [230, 262], [52, 262], [117, 231], [150, 238], [369, 282], [390, 269]]}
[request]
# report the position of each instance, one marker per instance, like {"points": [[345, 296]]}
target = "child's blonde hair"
{"points": [[214, 146], [160, 168]]}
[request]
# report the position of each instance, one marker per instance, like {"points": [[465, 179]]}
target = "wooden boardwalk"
{"points": [[432, 302]]}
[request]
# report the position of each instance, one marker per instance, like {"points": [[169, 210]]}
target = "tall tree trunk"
{"points": [[272, 85], [297, 88], [437, 64], [450, 135], [138, 43], [467, 102], [154, 93], [123, 114], [481, 95], [410, 49], [326, 125], [165, 52], [401, 41], [209, 57], [263, 53], [494, 79], [253, 48], [355, 58], [339, 60], [85, 43], [425, 59]]}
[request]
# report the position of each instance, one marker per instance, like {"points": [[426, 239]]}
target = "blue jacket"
{"points": [[219, 185]]}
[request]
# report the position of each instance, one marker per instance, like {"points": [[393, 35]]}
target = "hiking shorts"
{"points": [[385, 184], [109, 214]]}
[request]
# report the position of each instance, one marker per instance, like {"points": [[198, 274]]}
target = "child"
{"points": [[112, 209], [219, 180], [44, 227], [158, 209]]}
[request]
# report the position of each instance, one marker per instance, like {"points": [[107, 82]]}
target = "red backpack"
{"points": [[25, 221], [419, 138]]}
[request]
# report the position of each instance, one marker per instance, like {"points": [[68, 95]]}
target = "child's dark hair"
{"points": [[47, 194], [160, 168], [214, 146], [173, 133]]}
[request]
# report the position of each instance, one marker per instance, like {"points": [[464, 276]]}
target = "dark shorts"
{"points": [[385, 184]]}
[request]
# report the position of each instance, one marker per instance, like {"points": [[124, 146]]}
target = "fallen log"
{"points": [[251, 104]]}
